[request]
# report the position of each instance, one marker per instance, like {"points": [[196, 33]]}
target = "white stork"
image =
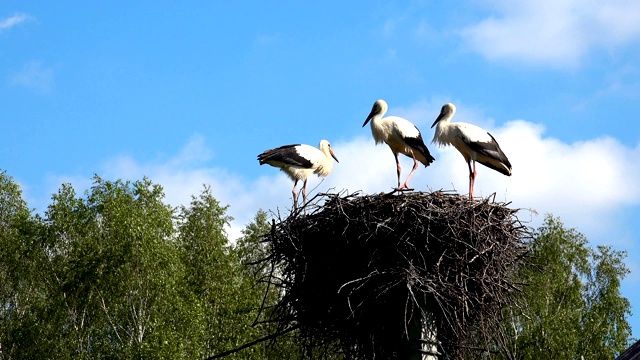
{"points": [[299, 161], [401, 136], [473, 142]]}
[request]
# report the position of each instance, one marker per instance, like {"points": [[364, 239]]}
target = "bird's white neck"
{"points": [[441, 135], [378, 129], [327, 164]]}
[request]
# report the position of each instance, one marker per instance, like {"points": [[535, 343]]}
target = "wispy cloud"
{"points": [[184, 175], [556, 33], [34, 76], [14, 20], [621, 82]]}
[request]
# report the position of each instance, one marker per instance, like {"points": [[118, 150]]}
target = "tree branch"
{"points": [[254, 342]]}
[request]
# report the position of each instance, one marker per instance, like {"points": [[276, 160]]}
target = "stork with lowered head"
{"points": [[299, 161]]}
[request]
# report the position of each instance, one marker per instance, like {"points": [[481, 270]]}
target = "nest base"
{"points": [[361, 273]]}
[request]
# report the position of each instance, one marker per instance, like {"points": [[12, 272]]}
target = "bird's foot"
{"points": [[403, 188], [396, 190]]}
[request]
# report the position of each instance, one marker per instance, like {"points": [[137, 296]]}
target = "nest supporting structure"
{"points": [[372, 275]]}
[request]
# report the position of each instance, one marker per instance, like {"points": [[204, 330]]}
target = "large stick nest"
{"points": [[357, 272]]}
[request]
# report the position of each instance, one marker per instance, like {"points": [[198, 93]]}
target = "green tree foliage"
{"points": [[222, 306], [249, 247], [117, 273], [251, 253], [572, 305], [21, 277]]}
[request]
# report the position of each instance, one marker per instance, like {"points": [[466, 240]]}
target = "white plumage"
{"points": [[402, 137], [473, 142], [299, 161]]}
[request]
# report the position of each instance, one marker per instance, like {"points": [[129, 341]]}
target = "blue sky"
{"points": [[188, 93]]}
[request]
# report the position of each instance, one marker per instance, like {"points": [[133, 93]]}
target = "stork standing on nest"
{"points": [[402, 137], [473, 142], [299, 161]]}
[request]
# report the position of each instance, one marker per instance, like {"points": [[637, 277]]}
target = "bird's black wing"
{"points": [[489, 149], [285, 154], [417, 143]]}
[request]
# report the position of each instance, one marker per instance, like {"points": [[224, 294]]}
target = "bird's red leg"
{"points": [[304, 192], [473, 184], [295, 195], [304, 197], [415, 166], [472, 177], [398, 166]]}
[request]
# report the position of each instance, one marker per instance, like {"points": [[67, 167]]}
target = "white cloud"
{"points": [[558, 33], [195, 152], [185, 175], [586, 183], [35, 76], [14, 20]]}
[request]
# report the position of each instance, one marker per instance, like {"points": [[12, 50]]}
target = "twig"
{"points": [[255, 342]]}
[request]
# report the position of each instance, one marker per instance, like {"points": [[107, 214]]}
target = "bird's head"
{"points": [[325, 147], [446, 113], [379, 108]]}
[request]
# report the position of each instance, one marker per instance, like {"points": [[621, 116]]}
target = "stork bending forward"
{"points": [[473, 142], [299, 161]]}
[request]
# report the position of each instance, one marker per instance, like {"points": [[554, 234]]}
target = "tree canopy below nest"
{"points": [[359, 271]]}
